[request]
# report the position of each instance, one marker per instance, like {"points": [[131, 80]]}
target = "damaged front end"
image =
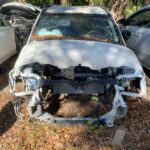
{"points": [[111, 83]]}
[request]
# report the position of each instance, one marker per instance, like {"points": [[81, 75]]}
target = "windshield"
{"points": [[76, 26]]}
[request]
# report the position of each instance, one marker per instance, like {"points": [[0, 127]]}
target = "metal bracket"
{"points": [[17, 106]]}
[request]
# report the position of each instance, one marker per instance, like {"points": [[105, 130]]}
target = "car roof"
{"points": [[77, 9]]}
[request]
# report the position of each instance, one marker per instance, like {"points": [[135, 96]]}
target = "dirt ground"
{"points": [[132, 132]]}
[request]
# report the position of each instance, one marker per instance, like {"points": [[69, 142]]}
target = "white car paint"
{"points": [[7, 42], [65, 53], [139, 41]]}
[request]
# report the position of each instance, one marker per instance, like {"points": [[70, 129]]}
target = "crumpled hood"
{"points": [[65, 53]]}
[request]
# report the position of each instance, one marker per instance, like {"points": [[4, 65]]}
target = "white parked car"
{"points": [[7, 40], [136, 30], [76, 50]]}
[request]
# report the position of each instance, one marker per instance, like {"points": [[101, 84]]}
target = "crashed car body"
{"points": [[77, 50]]}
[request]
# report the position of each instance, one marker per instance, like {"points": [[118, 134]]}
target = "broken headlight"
{"points": [[32, 84]]}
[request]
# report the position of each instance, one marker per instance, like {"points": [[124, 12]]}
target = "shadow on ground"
{"points": [[7, 118], [4, 71], [7, 114]]}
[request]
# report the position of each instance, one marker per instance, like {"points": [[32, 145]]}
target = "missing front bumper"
{"points": [[67, 86], [108, 118]]}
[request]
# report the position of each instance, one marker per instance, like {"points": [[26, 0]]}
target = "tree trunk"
{"points": [[66, 2], [118, 7]]}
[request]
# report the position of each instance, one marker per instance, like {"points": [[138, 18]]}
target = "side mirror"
{"points": [[126, 34]]}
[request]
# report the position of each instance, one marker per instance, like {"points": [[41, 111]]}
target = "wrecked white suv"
{"points": [[76, 50]]}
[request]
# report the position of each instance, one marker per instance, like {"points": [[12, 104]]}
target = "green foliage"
{"points": [[94, 127], [95, 98], [69, 148], [131, 8], [91, 124], [98, 2], [65, 2], [80, 2], [40, 3], [102, 2]]}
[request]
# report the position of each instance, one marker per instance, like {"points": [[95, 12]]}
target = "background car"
{"points": [[136, 32], [7, 40]]}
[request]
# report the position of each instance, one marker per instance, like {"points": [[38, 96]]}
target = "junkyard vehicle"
{"points": [[21, 16], [7, 40], [136, 29], [76, 50]]}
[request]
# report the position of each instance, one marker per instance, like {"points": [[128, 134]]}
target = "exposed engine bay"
{"points": [[42, 81], [21, 16]]}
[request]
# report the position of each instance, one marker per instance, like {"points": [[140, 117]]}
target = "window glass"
{"points": [[1, 22], [142, 19], [75, 26]]}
